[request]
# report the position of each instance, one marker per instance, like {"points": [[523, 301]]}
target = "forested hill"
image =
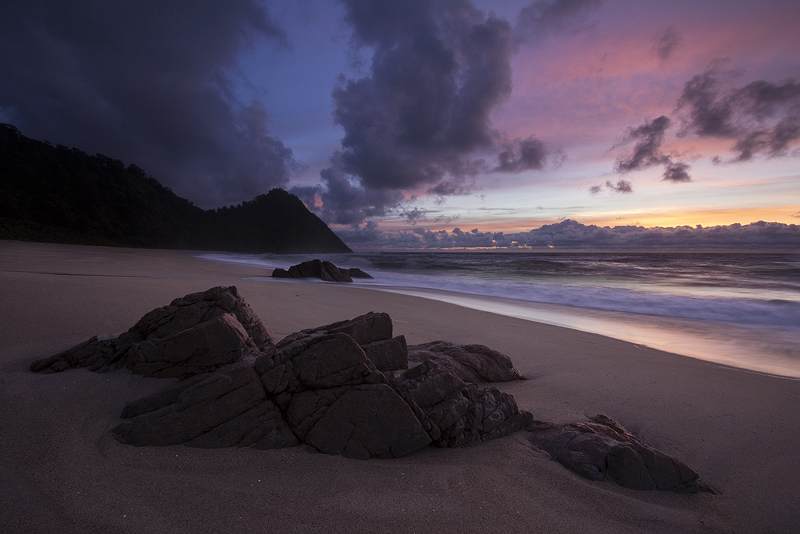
{"points": [[63, 195]]}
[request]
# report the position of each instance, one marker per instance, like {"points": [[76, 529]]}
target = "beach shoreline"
{"points": [[63, 471]]}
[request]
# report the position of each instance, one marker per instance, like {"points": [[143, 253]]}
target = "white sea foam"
{"points": [[740, 310]]}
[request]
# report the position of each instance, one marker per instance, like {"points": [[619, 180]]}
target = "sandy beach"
{"points": [[61, 470]]}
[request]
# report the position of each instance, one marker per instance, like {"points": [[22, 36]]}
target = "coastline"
{"points": [[736, 346], [62, 470]]}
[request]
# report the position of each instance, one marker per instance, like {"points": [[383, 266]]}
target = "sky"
{"points": [[433, 123]]}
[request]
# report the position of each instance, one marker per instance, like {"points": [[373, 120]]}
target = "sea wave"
{"points": [[775, 312], [747, 290]]}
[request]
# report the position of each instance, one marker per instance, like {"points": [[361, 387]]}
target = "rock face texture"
{"points": [[226, 408], [602, 449], [455, 413], [349, 388], [471, 363], [194, 334], [343, 388], [323, 270]]}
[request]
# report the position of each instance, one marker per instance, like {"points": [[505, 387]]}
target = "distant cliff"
{"points": [[63, 195]]}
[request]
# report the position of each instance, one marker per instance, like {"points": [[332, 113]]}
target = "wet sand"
{"points": [[61, 470]]}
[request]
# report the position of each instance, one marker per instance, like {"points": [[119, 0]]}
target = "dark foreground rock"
{"points": [[194, 334], [226, 408], [343, 388], [602, 449], [471, 363], [455, 413], [324, 270], [350, 388]]}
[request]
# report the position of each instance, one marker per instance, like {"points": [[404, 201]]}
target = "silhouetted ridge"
{"points": [[64, 195]]}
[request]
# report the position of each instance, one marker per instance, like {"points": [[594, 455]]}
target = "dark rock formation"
{"points": [[602, 449], [194, 334], [471, 363], [341, 388], [355, 272], [388, 354], [455, 413], [226, 408], [323, 270], [346, 388]]}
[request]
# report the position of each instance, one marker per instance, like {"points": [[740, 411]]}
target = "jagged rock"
{"points": [[364, 329], [457, 413], [388, 354], [342, 388], [225, 408], [602, 449], [364, 421], [355, 272], [336, 400], [194, 334], [322, 362], [323, 270], [471, 363]]}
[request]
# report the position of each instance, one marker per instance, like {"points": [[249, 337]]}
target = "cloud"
{"points": [[677, 172], [762, 117], [420, 120], [346, 201], [572, 235], [527, 154], [540, 18], [622, 186], [647, 152], [666, 43], [148, 82]]}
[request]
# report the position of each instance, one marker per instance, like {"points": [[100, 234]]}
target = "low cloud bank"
{"points": [[572, 235]]}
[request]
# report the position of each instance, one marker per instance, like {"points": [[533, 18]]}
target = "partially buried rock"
{"points": [[471, 363], [338, 388], [226, 408], [323, 270], [334, 397], [347, 388], [194, 334], [342, 388], [602, 449], [455, 413]]}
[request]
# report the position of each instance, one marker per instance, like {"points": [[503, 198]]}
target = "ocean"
{"points": [[740, 310]]}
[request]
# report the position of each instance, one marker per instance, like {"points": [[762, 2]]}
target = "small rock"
{"points": [[324, 270], [602, 449]]}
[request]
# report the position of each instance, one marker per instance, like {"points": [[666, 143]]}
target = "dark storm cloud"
{"points": [[677, 172], [147, 82], [572, 235], [346, 201], [420, 119], [647, 152], [540, 18], [523, 154], [762, 117], [666, 43]]}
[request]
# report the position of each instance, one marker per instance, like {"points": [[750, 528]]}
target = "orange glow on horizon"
{"points": [[708, 217]]}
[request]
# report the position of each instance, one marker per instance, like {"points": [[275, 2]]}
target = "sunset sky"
{"points": [[399, 118]]}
